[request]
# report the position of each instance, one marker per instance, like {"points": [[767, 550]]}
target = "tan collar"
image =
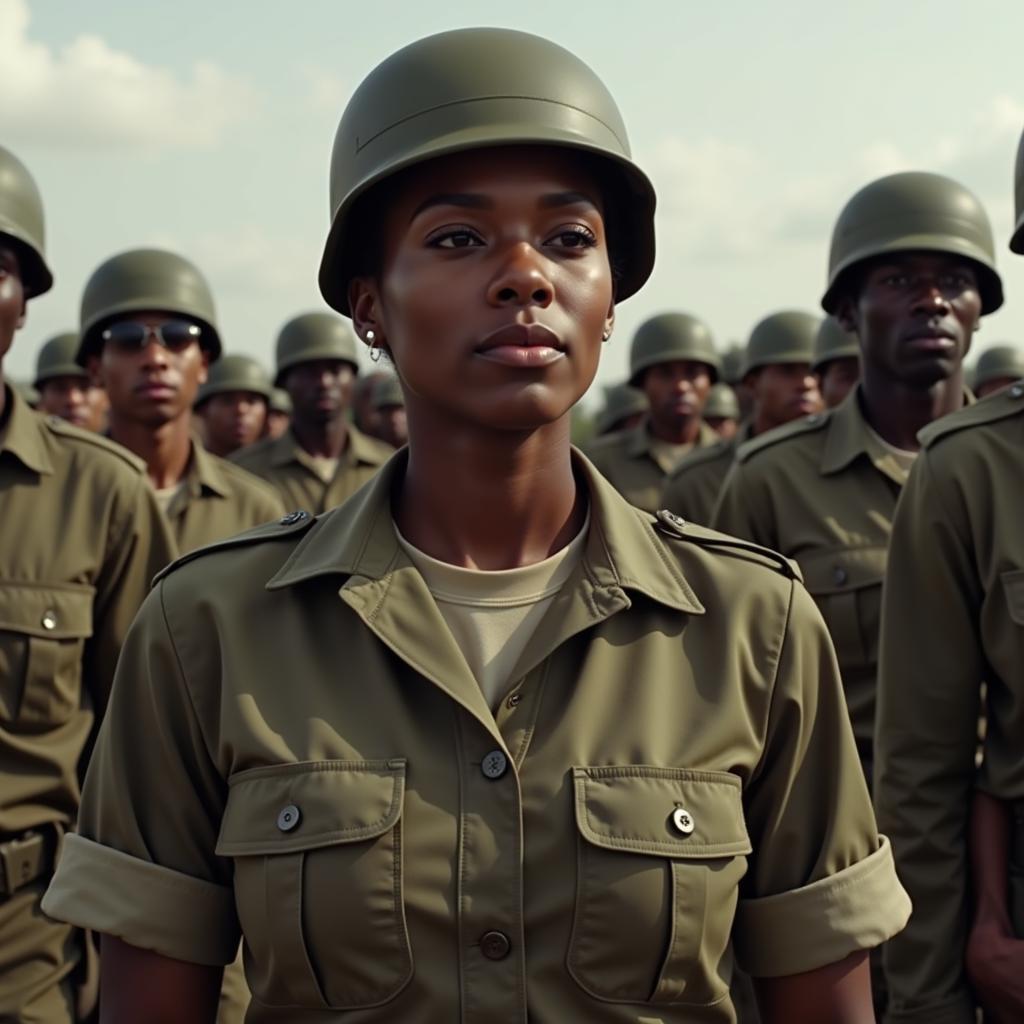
{"points": [[360, 450], [24, 436], [638, 439]]}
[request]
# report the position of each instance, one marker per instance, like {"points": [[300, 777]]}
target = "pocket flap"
{"points": [[1013, 585], [637, 809], [60, 611], [283, 808], [843, 569]]}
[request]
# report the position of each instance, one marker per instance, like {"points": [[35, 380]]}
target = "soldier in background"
{"points": [[836, 361], [997, 368], [673, 361], [953, 618], [777, 375], [389, 405], [64, 387], [722, 411], [82, 538], [364, 415], [279, 413], [26, 392], [322, 458], [624, 408], [233, 404]]}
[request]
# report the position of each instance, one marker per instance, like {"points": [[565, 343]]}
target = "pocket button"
{"points": [[682, 820], [494, 765], [288, 818], [49, 619], [495, 945]]}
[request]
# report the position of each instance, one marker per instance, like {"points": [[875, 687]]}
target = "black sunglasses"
{"points": [[129, 336]]}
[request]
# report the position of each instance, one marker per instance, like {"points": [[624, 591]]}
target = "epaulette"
{"points": [[676, 526], [64, 429], [699, 456], [804, 425], [999, 406], [287, 526]]}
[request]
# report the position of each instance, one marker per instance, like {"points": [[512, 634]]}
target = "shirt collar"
{"points": [[203, 475], [24, 435], [359, 451], [638, 439]]}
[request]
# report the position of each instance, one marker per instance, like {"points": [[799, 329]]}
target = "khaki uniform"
{"points": [[953, 617], [823, 492], [691, 490], [286, 464], [669, 781], [82, 538], [627, 460], [216, 500]]}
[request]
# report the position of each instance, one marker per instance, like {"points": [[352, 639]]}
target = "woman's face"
{"points": [[494, 288]]}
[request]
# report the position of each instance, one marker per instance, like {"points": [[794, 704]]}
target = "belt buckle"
{"points": [[21, 861]]}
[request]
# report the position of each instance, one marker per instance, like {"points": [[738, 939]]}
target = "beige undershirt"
{"points": [[666, 454], [165, 495], [325, 466], [903, 459], [492, 615]]}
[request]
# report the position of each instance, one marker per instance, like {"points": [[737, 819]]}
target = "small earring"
{"points": [[375, 350], [607, 334]]}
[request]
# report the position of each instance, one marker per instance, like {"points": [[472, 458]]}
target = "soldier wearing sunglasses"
{"points": [[149, 335]]}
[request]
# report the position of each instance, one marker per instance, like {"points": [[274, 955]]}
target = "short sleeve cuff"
{"points": [[824, 922], [146, 905]]}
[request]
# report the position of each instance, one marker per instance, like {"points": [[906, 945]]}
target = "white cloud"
{"points": [[89, 94], [326, 90]]}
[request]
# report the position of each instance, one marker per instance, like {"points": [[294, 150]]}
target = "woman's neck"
{"points": [[491, 500]]}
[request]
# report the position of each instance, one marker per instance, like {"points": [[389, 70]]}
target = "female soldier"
{"points": [[485, 743]]}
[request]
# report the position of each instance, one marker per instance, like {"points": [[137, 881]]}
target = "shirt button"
{"points": [[49, 619], [293, 517], [841, 575], [495, 945], [495, 764], [289, 817], [682, 820]]}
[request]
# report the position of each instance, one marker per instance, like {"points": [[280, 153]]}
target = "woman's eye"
{"points": [[456, 240], [575, 237]]}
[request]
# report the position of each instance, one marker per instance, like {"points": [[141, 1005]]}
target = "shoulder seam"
{"points": [[797, 428]]}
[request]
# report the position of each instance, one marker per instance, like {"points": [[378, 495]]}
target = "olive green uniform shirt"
{"points": [[217, 499], [823, 492], [293, 471], [953, 617], [627, 460], [691, 490], [669, 782]]}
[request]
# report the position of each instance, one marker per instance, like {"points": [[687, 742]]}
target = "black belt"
{"points": [[23, 859]]}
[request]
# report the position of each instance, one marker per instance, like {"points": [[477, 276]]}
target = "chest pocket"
{"points": [[1013, 585], [43, 629], [660, 854], [317, 849], [847, 586]]}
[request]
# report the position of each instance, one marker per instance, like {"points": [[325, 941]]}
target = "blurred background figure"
{"points": [[997, 368], [836, 361], [722, 411], [389, 409], [233, 404], [364, 415], [279, 413], [733, 360], [64, 387], [29, 395], [624, 408]]}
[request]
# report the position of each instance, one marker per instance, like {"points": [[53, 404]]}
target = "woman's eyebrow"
{"points": [[467, 200], [566, 199]]}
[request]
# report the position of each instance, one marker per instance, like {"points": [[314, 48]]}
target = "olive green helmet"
{"points": [[620, 401], [140, 280], [671, 336], [235, 373], [22, 222], [477, 88], [999, 362], [1017, 239], [833, 341], [914, 211], [280, 401], [782, 338], [387, 392], [722, 404], [313, 336], [57, 359], [732, 364]]}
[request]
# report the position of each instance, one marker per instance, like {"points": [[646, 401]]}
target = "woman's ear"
{"points": [[362, 303]]}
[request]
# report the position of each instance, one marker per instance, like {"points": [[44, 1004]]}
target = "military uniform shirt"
{"points": [[953, 617], [670, 781], [691, 490], [821, 491], [295, 473], [630, 461]]}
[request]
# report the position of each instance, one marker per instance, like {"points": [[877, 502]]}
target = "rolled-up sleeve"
{"points": [[143, 866], [822, 883]]}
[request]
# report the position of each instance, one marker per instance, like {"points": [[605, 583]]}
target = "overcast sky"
{"points": [[207, 127]]}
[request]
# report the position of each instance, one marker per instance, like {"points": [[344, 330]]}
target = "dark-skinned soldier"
{"points": [[952, 620], [279, 412], [722, 410], [322, 458], [82, 538], [624, 408], [997, 368], [777, 375], [233, 404], [836, 361], [673, 361], [389, 405], [64, 387]]}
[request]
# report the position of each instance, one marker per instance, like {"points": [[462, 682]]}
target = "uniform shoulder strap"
{"points": [[1000, 406], [770, 438], [67, 431]]}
